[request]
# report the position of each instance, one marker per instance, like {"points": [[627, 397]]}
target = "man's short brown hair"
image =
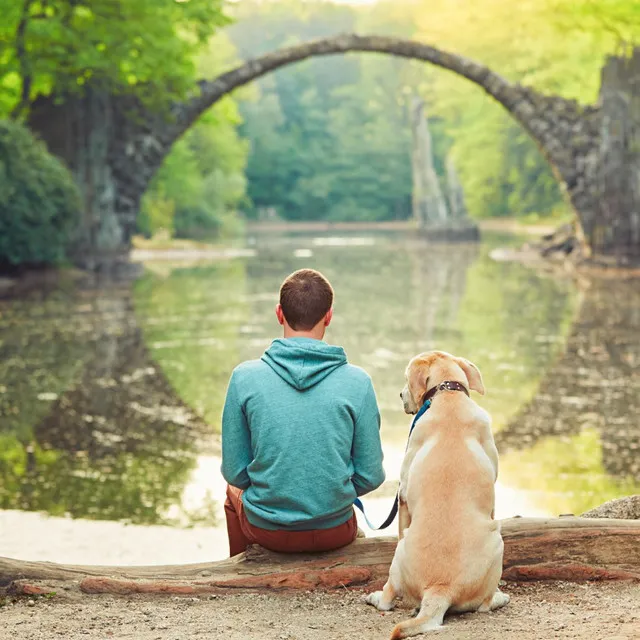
{"points": [[305, 297]]}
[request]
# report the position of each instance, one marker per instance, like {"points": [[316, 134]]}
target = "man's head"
{"points": [[305, 307]]}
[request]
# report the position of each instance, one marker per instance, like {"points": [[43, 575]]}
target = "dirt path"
{"points": [[537, 611]]}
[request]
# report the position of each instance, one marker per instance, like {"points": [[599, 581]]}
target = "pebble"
{"points": [[31, 603]]}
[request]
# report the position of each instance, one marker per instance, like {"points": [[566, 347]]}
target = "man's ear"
{"points": [[474, 377], [328, 317], [280, 314]]}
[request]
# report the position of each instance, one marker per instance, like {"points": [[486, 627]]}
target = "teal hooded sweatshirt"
{"points": [[301, 436]]}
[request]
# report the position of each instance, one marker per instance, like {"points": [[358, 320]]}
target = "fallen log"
{"points": [[565, 548]]}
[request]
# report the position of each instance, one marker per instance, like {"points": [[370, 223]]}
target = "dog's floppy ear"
{"points": [[417, 376], [474, 377]]}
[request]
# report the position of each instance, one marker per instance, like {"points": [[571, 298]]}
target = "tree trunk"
{"points": [[566, 548]]}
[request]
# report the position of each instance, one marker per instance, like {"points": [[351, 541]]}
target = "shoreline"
{"points": [[185, 251], [503, 225], [112, 543]]}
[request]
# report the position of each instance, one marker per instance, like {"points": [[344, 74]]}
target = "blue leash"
{"points": [[394, 509]]}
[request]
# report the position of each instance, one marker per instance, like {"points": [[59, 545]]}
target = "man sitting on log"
{"points": [[300, 433]]}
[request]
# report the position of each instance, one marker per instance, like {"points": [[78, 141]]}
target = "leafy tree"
{"points": [[151, 49], [501, 168], [158, 214], [329, 137], [609, 20], [39, 201], [311, 153], [147, 46], [202, 179]]}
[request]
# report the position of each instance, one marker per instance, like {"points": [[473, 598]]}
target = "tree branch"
{"points": [[23, 61]]}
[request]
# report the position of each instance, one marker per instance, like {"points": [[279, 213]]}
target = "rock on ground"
{"points": [[537, 612], [623, 508]]}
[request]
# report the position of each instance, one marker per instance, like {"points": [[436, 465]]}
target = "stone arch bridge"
{"points": [[114, 146]]}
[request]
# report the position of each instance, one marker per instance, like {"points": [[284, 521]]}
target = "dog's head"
{"points": [[429, 369]]}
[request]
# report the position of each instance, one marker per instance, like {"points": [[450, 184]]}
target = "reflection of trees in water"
{"points": [[115, 443], [400, 296], [194, 321], [594, 384], [439, 274], [505, 318]]}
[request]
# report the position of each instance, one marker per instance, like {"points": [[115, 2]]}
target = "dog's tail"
{"points": [[432, 609]]}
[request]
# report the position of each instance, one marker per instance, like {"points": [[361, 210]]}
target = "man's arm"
{"points": [[366, 452], [236, 440]]}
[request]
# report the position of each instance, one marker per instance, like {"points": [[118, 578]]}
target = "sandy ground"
{"points": [[35, 536], [537, 611]]}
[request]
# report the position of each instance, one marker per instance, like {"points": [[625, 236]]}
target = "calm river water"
{"points": [[110, 400]]}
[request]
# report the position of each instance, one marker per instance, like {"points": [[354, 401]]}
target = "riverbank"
{"points": [[502, 225], [167, 250], [537, 611]]}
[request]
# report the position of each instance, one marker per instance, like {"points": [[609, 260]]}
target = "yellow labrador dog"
{"points": [[449, 554]]}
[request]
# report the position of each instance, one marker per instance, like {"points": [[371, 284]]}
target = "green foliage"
{"points": [[329, 137], [501, 168], [39, 201], [202, 179], [617, 20], [198, 344], [69, 445], [60, 46], [157, 215], [151, 49]]}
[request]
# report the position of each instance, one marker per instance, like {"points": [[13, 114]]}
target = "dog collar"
{"points": [[447, 385]]}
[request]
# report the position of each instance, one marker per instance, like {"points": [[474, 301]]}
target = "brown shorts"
{"points": [[242, 533]]}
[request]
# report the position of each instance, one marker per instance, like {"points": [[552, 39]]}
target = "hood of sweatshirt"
{"points": [[303, 362]]}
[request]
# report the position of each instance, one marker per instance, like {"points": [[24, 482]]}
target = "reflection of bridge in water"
{"points": [[111, 439], [594, 384]]}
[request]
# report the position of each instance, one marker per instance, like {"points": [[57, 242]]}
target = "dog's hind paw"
{"points": [[498, 600], [376, 599]]}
